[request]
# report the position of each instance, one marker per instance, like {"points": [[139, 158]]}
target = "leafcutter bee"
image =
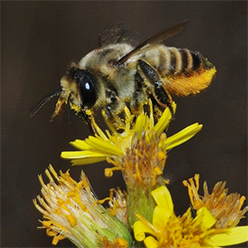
{"points": [[117, 74]]}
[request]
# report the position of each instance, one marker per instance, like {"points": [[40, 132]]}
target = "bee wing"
{"points": [[116, 33], [157, 38]]}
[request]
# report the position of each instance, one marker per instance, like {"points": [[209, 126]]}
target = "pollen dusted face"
{"points": [[70, 91]]}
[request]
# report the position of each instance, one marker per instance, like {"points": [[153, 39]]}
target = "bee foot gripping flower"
{"points": [[71, 212]]}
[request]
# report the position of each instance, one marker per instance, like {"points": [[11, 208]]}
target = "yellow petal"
{"points": [[80, 144], [57, 238], [161, 216], [205, 218], [182, 136], [87, 160], [104, 146], [164, 121], [81, 154], [162, 197], [151, 242], [234, 235], [140, 124], [140, 229]]}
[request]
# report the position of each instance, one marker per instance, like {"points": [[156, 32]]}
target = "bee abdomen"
{"points": [[189, 72], [184, 60]]}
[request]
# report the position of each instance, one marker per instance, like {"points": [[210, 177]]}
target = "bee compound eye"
{"points": [[87, 87]]}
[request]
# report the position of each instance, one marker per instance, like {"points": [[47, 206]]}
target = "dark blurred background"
{"points": [[39, 39]]}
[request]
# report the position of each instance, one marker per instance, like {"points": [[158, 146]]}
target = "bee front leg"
{"points": [[110, 113], [159, 93], [88, 120]]}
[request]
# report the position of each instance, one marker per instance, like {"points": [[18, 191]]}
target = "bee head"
{"points": [[78, 90], [86, 86]]}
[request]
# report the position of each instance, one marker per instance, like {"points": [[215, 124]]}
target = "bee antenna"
{"points": [[43, 101]]}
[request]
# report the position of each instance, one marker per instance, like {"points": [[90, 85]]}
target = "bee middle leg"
{"points": [[159, 93], [139, 96]]}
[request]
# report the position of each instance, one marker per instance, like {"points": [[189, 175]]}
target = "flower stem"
{"points": [[140, 201]]}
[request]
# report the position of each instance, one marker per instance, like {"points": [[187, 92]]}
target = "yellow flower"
{"points": [[71, 212], [168, 230], [113, 147], [225, 208], [139, 152]]}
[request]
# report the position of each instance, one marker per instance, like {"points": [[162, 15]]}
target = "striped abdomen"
{"points": [[183, 72]]}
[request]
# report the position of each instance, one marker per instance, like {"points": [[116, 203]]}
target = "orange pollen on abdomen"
{"points": [[191, 82]]}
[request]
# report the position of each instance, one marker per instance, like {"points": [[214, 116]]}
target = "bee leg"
{"points": [[139, 96], [110, 113], [136, 103], [159, 93], [87, 119]]}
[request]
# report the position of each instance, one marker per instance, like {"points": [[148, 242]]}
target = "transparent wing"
{"points": [[117, 33], [157, 38]]}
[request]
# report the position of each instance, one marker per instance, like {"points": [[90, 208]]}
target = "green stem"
{"points": [[140, 201]]}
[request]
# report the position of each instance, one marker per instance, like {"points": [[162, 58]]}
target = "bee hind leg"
{"points": [[159, 93]]}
